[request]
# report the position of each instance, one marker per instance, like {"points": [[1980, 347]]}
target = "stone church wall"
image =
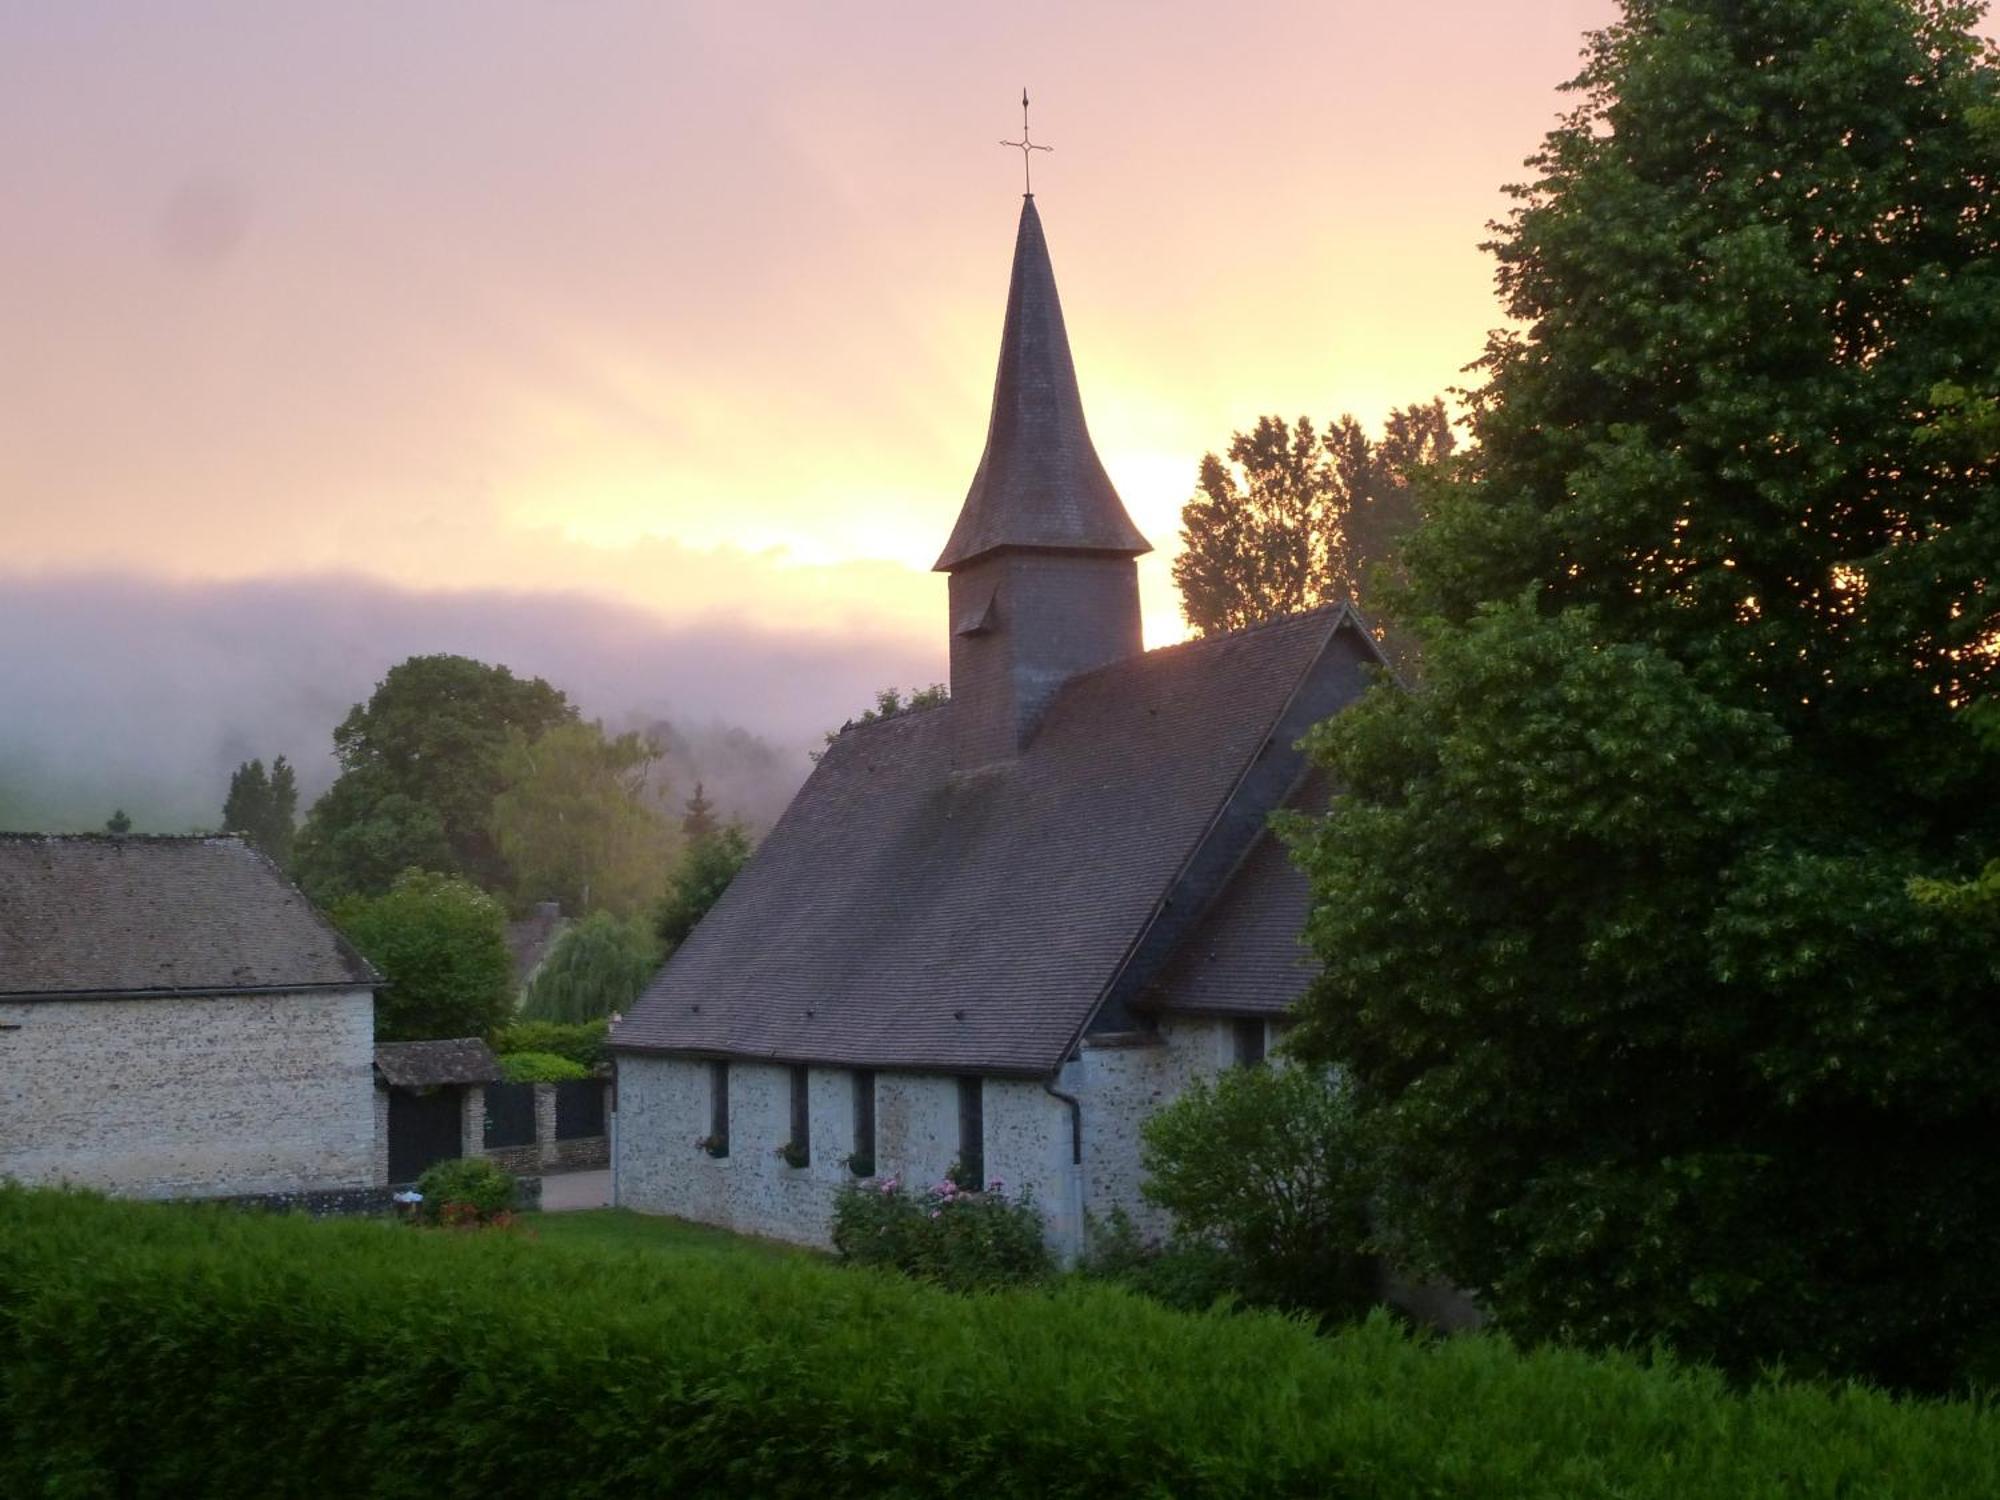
{"points": [[663, 1109], [207, 1097], [1122, 1084]]}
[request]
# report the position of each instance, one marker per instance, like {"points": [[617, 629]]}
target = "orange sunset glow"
{"points": [[695, 307]]}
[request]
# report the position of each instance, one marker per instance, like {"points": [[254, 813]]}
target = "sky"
{"points": [[690, 311], [696, 306]]}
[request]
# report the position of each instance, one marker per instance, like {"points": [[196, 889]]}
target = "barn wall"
{"points": [[663, 1109], [190, 1097]]}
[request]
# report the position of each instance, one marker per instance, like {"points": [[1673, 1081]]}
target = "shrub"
{"points": [[582, 1042], [1261, 1162], [158, 1349], [540, 1067], [467, 1191], [1189, 1274], [960, 1240]]}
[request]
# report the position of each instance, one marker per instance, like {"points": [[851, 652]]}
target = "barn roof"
{"points": [[114, 916], [903, 915], [416, 1065]]}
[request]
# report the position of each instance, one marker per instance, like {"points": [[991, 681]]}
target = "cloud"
{"points": [[122, 690]]}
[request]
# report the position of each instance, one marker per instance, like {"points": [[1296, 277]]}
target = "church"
{"points": [[995, 935]]}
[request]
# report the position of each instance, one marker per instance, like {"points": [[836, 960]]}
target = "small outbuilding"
{"points": [[430, 1103], [177, 1020]]}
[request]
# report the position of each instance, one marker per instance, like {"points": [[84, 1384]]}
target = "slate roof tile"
{"points": [[901, 915], [413, 1065], [1247, 956], [102, 914]]}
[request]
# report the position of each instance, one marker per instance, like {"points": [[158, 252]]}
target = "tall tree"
{"points": [[1296, 518], [120, 822], [574, 821], [263, 806], [700, 876], [281, 813], [442, 944], [421, 765], [1623, 921]]}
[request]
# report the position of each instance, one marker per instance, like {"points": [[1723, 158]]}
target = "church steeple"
{"points": [[1043, 579], [1039, 482]]}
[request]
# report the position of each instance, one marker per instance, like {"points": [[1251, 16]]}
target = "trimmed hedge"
{"points": [[154, 1349], [540, 1067]]}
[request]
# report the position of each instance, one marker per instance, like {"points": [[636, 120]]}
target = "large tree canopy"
{"points": [[1297, 518], [575, 822], [420, 768], [1651, 926]]}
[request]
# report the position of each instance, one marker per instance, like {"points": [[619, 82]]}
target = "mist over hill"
{"points": [[123, 691]]}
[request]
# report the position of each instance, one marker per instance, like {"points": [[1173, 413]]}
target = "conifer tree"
{"points": [[698, 820]]}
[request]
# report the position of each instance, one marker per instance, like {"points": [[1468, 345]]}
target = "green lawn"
{"points": [[620, 1228]]}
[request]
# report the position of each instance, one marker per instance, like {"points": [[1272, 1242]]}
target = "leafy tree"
{"points": [[359, 837], [574, 821], [1625, 949], [263, 807], [441, 942], [597, 967], [429, 744], [1296, 518], [1262, 1161], [120, 822], [699, 878]]}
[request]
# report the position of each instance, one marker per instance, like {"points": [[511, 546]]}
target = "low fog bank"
{"points": [[119, 691]]}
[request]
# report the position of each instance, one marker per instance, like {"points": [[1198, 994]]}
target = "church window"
{"points": [[971, 1132], [1249, 1042], [863, 1160], [799, 1154], [718, 1108]]}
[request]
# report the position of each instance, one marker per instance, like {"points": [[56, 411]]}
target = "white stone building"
{"points": [[176, 1020], [999, 932]]}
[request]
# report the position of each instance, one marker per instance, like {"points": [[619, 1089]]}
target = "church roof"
{"points": [[903, 915], [103, 916], [1247, 955], [1039, 482]]}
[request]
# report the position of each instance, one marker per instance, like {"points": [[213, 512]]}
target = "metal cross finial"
{"points": [[1024, 146]]}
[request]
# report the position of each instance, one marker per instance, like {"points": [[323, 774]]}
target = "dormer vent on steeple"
{"points": [[1043, 579]]}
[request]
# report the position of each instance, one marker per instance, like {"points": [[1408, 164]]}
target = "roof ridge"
{"points": [[910, 711], [1195, 643], [25, 835]]}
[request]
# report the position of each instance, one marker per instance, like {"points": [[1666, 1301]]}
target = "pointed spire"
{"points": [[1039, 484]]}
